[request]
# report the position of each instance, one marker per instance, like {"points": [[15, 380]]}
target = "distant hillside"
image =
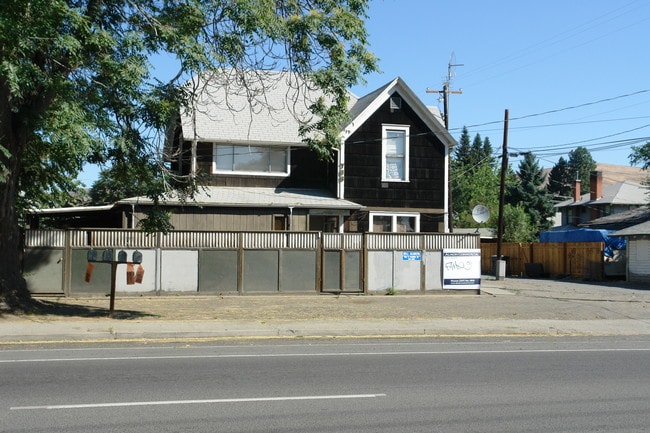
{"points": [[618, 173]]}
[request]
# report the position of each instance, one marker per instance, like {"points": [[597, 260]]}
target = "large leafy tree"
{"points": [[641, 155], [76, 85], [531, 194]]}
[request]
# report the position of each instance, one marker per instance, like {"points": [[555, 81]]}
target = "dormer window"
{"points": [[395, 153]]}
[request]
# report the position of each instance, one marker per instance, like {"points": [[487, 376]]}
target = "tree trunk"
{"points": [[13, 288]]}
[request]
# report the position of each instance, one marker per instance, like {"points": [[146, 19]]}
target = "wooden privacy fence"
{"points": [[575, 259]]}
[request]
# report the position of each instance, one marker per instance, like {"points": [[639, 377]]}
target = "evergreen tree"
{"points": [[581, 164], [531, 194], [560, 180], [462, 152]]}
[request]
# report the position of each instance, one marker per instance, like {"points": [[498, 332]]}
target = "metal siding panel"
{"points": [[149, 280], [380, 270], [179, 271], [218, 271], [352, 280], [43, 270], [100, 282], [261, 270], [407, 273], [433, 276], [297, 271], [331, 270]]}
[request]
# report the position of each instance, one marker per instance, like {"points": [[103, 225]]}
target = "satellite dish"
{"points": [[480, 213]]}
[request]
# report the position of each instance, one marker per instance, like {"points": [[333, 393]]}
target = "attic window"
{"points": [[395, 103]]}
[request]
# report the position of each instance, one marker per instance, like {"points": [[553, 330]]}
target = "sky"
{"points": [[570, 72]]}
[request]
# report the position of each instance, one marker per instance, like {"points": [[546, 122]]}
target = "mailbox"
{"points": [[121, 257], [137, 257], [107, 256], [91, 256]]}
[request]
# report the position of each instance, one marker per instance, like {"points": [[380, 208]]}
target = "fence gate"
{"points": [[342, 263]]}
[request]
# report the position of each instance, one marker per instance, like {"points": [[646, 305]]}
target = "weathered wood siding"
{"points": [[423, 193], [232, 219], [426, 187]]}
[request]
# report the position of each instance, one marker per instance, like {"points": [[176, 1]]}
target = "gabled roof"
{"points": [[368, 105], [622, 193], [211, 196], [249, 106]]}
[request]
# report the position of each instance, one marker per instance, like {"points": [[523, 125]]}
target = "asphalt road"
{"points": [[336, 385]]}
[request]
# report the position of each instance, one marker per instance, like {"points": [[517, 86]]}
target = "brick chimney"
{"points": [[576, 190], [595, 193], [596, 185]]}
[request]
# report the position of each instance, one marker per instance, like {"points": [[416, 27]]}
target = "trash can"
{"points": [[494, 264]]}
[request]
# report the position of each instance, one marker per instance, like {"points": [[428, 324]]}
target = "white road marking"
{"points": [[323, 354], [209, 401]]}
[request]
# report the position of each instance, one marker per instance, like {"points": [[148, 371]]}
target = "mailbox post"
{"points": [[107, 257]]}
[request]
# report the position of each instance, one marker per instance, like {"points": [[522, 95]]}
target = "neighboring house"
{"points": [[600, 201], [638, 251]]}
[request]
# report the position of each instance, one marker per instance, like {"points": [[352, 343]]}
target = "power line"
{"points": [[558, 110]]}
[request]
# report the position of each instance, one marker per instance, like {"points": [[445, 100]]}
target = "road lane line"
{"points": [[322, 354], [208, 401]]}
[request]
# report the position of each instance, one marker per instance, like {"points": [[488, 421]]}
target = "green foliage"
{"points": [[475, 180], [517, 226], [581, 164], [531, 194], [76, 84], [560, 180], [641, 155], [564, 174]]}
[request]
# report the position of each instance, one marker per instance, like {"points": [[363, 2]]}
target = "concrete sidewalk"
{"points": [[511, 307]]}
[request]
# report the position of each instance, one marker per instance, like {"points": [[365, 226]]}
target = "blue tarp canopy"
{"points": [[586, 235]]}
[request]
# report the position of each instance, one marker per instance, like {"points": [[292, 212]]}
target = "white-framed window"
{"points": [[395, 153], [386, 222], [256, 160]]}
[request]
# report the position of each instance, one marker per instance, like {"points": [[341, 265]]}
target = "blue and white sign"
{"points": [[461, 269], [410, 256]]}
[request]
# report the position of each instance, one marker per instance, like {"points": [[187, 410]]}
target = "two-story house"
{"points": [[600, 201], [243, 140]]}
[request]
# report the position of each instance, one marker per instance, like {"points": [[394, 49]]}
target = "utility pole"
{"points": [[502, 195], [445, 92]]}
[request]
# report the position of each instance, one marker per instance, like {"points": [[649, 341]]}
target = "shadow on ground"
{"points": [[61, 309]]}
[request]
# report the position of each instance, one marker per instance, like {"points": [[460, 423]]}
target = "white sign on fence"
{"points": [[461, 269]]}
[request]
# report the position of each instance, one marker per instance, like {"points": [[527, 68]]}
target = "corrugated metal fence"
{"points": [[217, 262]]}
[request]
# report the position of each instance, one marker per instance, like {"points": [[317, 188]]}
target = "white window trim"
{"points": [[394, 215], [214, 169], [384, 129]]}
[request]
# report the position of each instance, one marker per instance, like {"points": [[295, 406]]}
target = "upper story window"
{"points": [[258, 160], [395, 153]]}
